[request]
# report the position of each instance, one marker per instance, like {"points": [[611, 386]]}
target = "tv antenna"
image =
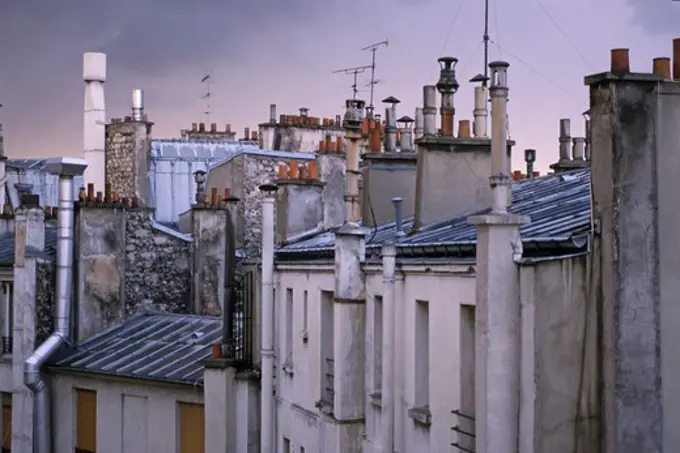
{"points": [[207, 81], [373, 48], [486, 43], [354, 72]]}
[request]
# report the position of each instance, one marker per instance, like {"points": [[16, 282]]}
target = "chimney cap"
{"points": [[530, 156], [479, 78], [499, 64], [447, 62], [66, 166], [391, 100], [405, 119], [268, 188]]}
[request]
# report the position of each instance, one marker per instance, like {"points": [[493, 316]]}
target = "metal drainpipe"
{"points": [[66, 168], [389, 253], [267, 341]]}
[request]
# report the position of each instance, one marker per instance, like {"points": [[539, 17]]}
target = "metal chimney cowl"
{"points": [[354, 114]]}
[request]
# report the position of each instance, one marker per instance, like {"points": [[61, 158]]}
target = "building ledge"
{"points": [[325, 407], [421, 415]]}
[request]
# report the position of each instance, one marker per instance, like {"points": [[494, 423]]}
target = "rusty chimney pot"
{"points": [[201, 127], [253, 136], [662, 67], [464, 129], [283, 172], [322, 145], [620, 63], [227, 128], [676, 59], [293, 169], [194, 127], [213, 127], [338, 144], [246, 133]]}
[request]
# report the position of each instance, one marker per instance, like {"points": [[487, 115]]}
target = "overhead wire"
{"points": [[456, 15]]}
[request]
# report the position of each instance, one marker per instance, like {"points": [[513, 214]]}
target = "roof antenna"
{"points": [[486, 43], [373, 48], [207, 81], [355, 72]]}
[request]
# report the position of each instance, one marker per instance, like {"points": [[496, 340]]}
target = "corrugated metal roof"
{"points": [[151, 346], [558, 206], [32, 171], [198, 150], [267, 153], [7, 246]]}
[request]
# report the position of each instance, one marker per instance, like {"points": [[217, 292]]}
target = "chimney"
{"points": [[272, 113], [391, 119], [463, 160], [398, 217], [529, 159], [634, 186], [565, 138], [620, 63], [586, 116], [213, 128], [299, 201], [3, 169], [579, 148], [406, 135], [331, 169], [338, 121], [246, 133], [429, 109], [304, 112], [137, 105], [447, 87], [352, 123], [480, 112], [662, 67], [94, 134], [201, 127], [418, 129], [500, 179], [29, 226], [565, 162]]}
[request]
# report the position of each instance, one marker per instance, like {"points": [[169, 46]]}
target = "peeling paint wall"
{"points": [[124, 264]]}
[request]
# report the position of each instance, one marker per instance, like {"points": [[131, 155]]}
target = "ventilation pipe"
{"points": [[447, 87], [267, 339], [405, 134], [352, 123], [480, 113], [67, 168], [389, 253], [398, 216], [500, 180], [565, 139], [529, 159], [418, 129], [586, 116], [578, 148], [94, 126], [391, 126], [429, 109], [138, 105], [272, 113]]}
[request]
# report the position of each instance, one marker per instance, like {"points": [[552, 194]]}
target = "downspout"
{"points": [[66, 168], [267, 340], [389, 253]]}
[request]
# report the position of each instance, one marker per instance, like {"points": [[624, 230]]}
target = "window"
{"points": [[286, 445], [327, 365], [6, 404], [467, 376], [6, 313], [377, 342], [289, 328], [191, 428], [86, 421], [422, 354]]}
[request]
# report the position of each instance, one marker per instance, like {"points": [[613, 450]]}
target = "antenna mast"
{"points": [[373, 48], [486, 43], [355, 72], [207, 81]]}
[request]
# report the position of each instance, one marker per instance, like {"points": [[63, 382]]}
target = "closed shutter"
{"points": [[86, 421], [191, 428]]}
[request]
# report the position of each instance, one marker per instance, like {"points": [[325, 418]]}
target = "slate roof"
{"points": [[7, 246], [151, 346], [558, 205]]}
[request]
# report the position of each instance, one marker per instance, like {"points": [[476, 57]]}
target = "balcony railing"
{"points": [[464, 431], [6, 345], [243, 319]]}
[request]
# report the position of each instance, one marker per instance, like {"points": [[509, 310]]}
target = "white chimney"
{"points": [[94, 126], [500, 179], [480, 113], [137, 104]]}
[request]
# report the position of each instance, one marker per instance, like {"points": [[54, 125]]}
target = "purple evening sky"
{"points": [[284, 52]]}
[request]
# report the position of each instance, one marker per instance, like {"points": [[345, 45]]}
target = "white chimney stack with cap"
{"points": [[94, 126]]}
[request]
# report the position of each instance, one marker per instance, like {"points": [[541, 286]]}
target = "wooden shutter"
{"points": [[191, 428], [86, 421]]}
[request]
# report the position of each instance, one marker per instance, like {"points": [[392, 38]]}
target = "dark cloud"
{"points": [[657, 16]]}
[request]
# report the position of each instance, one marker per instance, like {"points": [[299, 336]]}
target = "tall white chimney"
{"points": [[500, 179], [94, 125]]}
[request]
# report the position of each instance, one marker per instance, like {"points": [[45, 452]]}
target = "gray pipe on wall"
{"points": [[67, 168]]}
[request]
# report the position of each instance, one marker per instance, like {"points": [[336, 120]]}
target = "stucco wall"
{"points": [[154, 414], [444, 287], [560, 380]]}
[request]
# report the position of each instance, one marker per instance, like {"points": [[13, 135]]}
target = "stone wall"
{"points": [[128, 153], [157, 267], [45, 297]]}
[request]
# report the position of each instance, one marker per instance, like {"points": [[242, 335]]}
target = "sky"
{"points": [[285, 51]]}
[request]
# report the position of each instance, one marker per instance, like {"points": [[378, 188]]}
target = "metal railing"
{"points": [[329, 388], [6, 345], [465, 432], [243, 320]]}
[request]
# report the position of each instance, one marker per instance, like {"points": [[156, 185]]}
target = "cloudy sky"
{"points": [[285, 51]]}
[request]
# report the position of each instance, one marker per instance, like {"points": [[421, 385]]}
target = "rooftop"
{"points": [[7, 246], [557, 204], [151, 346]]}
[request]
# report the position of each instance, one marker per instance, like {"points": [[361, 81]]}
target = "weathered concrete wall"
{"points": [[45, 298], [385, 176], [332, 167], [128, 156], [559, 396], [302, 139], [130, 417], [209, 250], [124, 264], [299, 207]]}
